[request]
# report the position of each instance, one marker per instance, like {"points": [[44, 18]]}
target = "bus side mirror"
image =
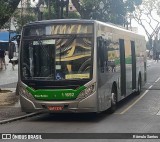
{"points": [[10, 51]]}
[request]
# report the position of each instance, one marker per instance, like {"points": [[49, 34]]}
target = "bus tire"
{"points": [[27, 112], [113, 107], [139, 85]]}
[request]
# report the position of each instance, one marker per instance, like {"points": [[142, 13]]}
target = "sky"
{"points": [[34, 3], [140, 28]]}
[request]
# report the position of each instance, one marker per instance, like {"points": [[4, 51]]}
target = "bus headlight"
{"points": [[87, 92], [25, 93]]}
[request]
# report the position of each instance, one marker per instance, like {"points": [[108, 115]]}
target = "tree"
{"points": [[52, 10], [7, 7], [145, 16], [131, 5], [24, 15], [113, 11]]}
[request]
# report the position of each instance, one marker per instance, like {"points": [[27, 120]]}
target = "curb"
{"points": [[13, 90], [20, 117]]}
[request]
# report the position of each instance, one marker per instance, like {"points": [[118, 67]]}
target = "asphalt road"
{"points": [[137, 114]]}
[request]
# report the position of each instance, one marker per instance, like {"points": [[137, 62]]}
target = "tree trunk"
{"points": [[150, 42], [84, 13]]}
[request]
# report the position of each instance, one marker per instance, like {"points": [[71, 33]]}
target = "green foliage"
{"points": [[130, 4], [113, 11], [4, 9], [22, 20], [46, 14], [73, 15], [24, 16], [52, 12], [89, 4], [7, 7], [53, 15], [117, 12]]}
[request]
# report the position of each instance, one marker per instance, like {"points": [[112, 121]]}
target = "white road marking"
{"points": [[158, 113], [157, 79], [150, 87], [135, 101], [140, 99]]}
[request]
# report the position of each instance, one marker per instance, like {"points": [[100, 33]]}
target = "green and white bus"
{"points": [[78, 66]]}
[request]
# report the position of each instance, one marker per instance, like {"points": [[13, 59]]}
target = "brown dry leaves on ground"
{"points": [[8, 98]]}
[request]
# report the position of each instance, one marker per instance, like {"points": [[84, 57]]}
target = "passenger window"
{"points": [[101, 53]]}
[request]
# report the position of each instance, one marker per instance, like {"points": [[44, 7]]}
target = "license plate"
{"points": [[55, 108]]}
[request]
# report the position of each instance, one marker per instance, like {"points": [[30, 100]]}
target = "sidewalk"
{"points": [[8, 76], [9, 105], [9, 102]]}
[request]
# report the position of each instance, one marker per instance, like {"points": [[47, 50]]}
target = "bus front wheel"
{"points": [[113, 107]]}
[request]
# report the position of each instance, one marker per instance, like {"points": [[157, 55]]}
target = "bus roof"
{"points": [[61, 21], [83, 21]]}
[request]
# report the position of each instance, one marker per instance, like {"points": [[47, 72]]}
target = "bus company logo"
{"points": [[41, 96], [6, 136]]}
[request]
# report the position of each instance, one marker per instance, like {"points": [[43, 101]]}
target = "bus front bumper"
{"points": [[88, 104]]}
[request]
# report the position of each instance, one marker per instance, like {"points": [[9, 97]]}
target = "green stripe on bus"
{"points": [[55, 94]]}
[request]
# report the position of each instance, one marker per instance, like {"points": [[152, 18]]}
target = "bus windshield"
{"points": [[63, 57]]}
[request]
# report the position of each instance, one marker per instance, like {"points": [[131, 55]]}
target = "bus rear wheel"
{"points": [[139, 86]]}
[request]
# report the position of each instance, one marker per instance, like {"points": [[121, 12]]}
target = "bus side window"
{"points": [[101, 53], [106, 55]]}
